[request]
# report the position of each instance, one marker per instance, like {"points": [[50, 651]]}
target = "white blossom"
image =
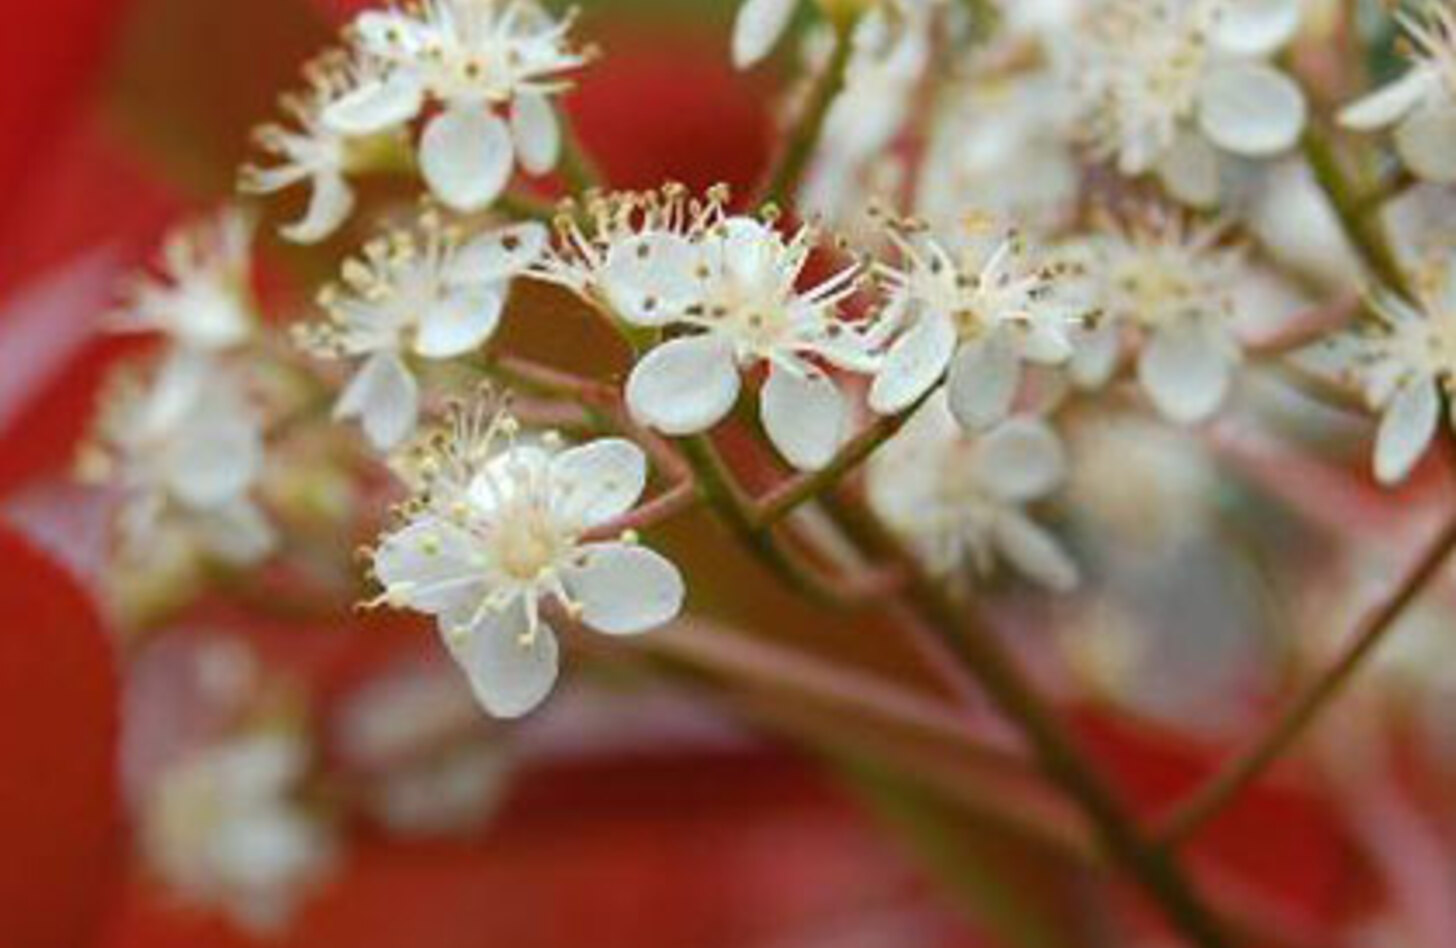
{"points": [[201, 295], [429, 292], [731, 285], [501, 525], [1421, 104], [1170, 287], [314, 153], [224, 830], [972, 317], [474, 58], [960, 498], [1403, 362], [1169, 85], [183, 453]]}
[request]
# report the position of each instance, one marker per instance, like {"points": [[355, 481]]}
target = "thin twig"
{"points": [[1365, 236], [783, 179]]}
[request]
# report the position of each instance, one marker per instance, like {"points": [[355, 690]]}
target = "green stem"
{"points": [[578, 168], [1240, 772], [783, 179], [1365, 236]]}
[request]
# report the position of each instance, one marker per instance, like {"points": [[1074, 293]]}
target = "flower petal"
{"points": [[758, 27], [984, 377], [1185, 371], [459, 321], [915, 362], [1406, 429], [384, 396], [648, 280], [536, 132], [1094, 354], [498, 254], [330, 204], [509, 673], [625, 589], [1426, 141], [1390, 102], [1251, 109], [1255, 27], [465, 157], [804, 415], [684, 386], [1034, 552], [239, 533], [1189, 170], [429, 566], [214, 457], [376, 105], [1021, 459], [600, 480]]}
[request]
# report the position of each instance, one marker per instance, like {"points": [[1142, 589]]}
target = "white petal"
{"points": [[459, 321], [984, 377], [1035, 552], [684, 386], [804, 415], [758, 27], [1427, 142], [1185, 371], [600, 480], [1094, 355], [915, 362], [747, 251], [509, 676], [213, 460], [376, 105], [465, 157], [429, 566], [1189, 170], [1390, 102], [1251, 109], [384, 396], [239, 533], [330, 204], [1406, 429], [536, 131], [1021, 459], [498, 254], [648, 280], [625, 589], [1255, 27]]}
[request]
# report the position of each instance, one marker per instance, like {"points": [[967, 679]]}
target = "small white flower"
{"points": [[201, 296], [971, 317], [430, 293], [183, 454], [1403, 363], [313, 152], [760, 24], [960, 498], [665, 261], [1171, 286], [1170, 84], [472, 57], [222, 830], [500, 527], [1421, 103]]}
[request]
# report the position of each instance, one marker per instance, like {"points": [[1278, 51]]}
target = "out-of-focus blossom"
{"points": [[430, 292], [472, 57], [1421, 104], [498, 527], [222, 828], [960, 498], [1171, 285], [973, 317], [1168, 85]]}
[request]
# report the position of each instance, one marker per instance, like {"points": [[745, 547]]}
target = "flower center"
{"points": [[528, 543]]}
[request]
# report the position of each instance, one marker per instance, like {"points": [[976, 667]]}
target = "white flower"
{"points": [[760, 24], [314, 152], [1421, 103], [221, 829], [184, 455], [498, 528], [960, 498], [972, 318], [664, 261], [1171, 286], [1403, 363], [202, 294], [1169, 84], [428, 292], [472, 57]]}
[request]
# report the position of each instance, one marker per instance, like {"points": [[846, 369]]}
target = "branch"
{"points": [[783, 179], [1367, 239]]}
